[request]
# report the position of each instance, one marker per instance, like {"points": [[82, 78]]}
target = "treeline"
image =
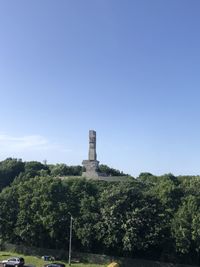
{"points": [[12, 168], [151, 217]]}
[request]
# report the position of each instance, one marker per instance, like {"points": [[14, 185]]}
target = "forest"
{"points": [[150, 217]]}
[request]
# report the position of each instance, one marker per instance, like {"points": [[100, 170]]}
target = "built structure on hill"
{"points": [[91, 165]]}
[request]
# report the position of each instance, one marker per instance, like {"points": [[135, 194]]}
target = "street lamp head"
{"points": [[70, 215]]}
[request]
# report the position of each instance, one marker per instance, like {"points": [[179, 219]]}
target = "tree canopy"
{"points": [[154, 217]]}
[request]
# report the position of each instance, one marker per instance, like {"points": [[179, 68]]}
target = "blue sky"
{"points": [[128, 69]]}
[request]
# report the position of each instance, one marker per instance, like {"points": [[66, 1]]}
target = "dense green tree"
{"points": [[44, 204], [190, 185], [9, 169], [84, 224], [156, 217], [35, 168], [110, 171], [168, 191], [64, 170], [186, 226], [130, 220], [8, 213]]}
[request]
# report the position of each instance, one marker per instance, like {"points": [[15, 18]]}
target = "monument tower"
{"points": [[91, 165], [92, 145]]}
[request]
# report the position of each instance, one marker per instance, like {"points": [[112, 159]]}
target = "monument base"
{"points": [[91, 169]]}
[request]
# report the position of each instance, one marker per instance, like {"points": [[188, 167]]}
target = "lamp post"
{"points": [[70, 238]]}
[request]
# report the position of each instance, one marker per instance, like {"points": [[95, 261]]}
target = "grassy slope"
{"points": [[38, 262]]}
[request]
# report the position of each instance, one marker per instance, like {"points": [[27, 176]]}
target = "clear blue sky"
{"points": [[128, 69]]}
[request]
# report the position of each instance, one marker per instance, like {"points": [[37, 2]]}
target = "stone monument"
{"points": [[91, 165]]}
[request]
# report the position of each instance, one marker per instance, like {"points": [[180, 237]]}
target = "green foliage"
{"points": [[9, 169], [8, 213], [186, 225], [34, 168], [156, 217], [64, 170], [130, 220], [110, 171], [43, 202]]}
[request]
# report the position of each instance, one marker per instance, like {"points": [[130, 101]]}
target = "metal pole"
{"points": [[70, 240]]}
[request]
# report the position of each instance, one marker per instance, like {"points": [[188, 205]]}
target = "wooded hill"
{"points": [[151, 217]]}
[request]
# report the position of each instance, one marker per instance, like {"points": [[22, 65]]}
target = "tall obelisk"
{"points": [[91, 165], [92, 145]]}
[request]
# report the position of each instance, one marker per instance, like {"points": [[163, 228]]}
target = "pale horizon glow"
{"points": [[28, 147]]}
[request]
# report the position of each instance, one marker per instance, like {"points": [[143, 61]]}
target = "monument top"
{"points": [[92, 145], [92, 132], [91, 165]]}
